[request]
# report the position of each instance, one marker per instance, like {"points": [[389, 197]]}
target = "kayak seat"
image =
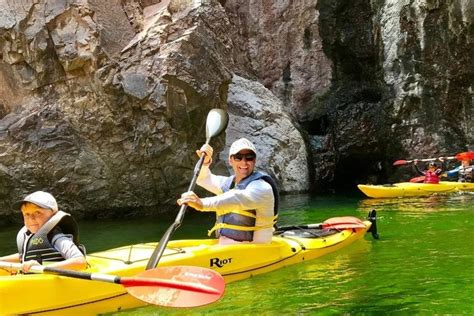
{"points": [[309, 233]]}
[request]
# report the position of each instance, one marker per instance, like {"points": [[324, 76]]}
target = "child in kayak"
{"points": [[433, 173], [48, 235], [465, 171], [246, 204]]}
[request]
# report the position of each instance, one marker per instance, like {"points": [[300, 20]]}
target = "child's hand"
{"points": [[26, 266]]}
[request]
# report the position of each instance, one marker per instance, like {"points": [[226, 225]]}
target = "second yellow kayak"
{"points": [[409, 189]]}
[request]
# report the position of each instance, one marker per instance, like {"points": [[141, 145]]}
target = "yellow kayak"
{"points": [[45, 294], [410, 189]]}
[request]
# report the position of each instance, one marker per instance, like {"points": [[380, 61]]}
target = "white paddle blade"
{"points": [[216, 122]]}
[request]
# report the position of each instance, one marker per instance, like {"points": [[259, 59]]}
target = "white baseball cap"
{"points": [[241, 144], [42, 199]]}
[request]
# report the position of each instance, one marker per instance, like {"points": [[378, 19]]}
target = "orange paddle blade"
{"points": [[187, 286], [343, 222], [468, 155], [417, 179], [400, 162]]}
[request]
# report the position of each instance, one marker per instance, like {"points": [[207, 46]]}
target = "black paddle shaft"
{"points": [[158, 252], [69, 273], [83, 275]]}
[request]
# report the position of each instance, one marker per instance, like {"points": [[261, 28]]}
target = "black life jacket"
{"points": [[39, 246]]}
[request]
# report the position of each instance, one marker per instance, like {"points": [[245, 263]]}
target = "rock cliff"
{"points": [[103, 103]]}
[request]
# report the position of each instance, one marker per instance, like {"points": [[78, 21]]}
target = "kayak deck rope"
{"points": [[133, 250], [309, 232]]}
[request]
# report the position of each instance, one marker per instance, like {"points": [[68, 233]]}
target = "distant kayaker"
{"points": [[465, 172], [48, 235], [433, 173], [246, 204]]}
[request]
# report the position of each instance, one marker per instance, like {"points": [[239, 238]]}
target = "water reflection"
{"points": [[307, 209], [296, 202], [416, 205]]}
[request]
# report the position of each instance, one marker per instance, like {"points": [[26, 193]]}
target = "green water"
{"points": [[422, 264]]}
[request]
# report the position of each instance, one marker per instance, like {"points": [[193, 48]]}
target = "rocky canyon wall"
{"points": [[103, 103]]}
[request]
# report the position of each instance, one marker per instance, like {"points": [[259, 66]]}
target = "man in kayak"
{"points": [[246, 204], [432, 174], [48, 235], [465, 171]]}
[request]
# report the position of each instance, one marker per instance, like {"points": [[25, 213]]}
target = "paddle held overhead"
{"points": [[216, 122], [460, 156]]}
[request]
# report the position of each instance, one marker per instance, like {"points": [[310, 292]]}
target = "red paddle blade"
{"points": [[178, 286], [417, 179], [400, 162], [468, 155], [343, 222]]}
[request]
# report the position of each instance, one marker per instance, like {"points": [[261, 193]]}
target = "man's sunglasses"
{"points": [[247, 157]]}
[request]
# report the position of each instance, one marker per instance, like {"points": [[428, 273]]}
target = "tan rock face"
{"points": [[255, 113]]}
